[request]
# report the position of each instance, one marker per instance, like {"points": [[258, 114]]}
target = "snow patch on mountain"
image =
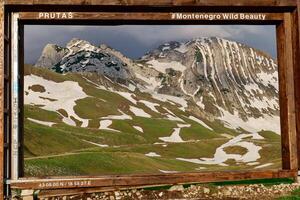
{"points": [[253, 163], [175, 136], [263, 166], [127, 95], [252, 124], [138, 128], [200, 103], [152, 154], [220, 156], [200, 122], [182, 48], [162, 66], [50, 124], [104, 125], [171, 116], [101, 87], [63, 100], [96, 144], [150, 105], [171, 99], [139, 112], [167, 172], [152, 82], [76, 44], [268, 79]]}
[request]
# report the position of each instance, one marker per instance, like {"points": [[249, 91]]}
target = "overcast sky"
{"points": [[135, 40]]}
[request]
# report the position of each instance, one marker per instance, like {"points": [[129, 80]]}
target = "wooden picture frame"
{"points": [[282, 13]]}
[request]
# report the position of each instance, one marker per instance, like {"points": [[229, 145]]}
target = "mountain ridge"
{"points": [[218, 75]]}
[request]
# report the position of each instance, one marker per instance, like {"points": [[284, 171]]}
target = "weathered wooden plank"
{"points": [[19, 2], [291, 61], [1, 100], [296, 39], [277, 3], [148, 179], [283, 100], [287, 60], [287, 98], [151, 16]]}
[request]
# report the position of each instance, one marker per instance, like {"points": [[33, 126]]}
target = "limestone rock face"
{"points": [[222, 78], [51, 55], [81, 56], [219, 75]]}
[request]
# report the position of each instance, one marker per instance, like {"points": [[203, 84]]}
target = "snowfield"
{"points": [[200, 122], [175, 136], [152, 83], [167, 172], [171, 99], [267, 122], [41, 122], [127, 96], [220, 156], [138, 128], [104, 125], [182, 48], [152, 154], [139, 112], [162, 66], [171, 116], [263, 166], [96, 144], [53, 90], [150, 105], [267, 79]]}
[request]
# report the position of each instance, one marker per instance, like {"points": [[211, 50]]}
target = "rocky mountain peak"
{"points": [[221, 77], [169, 45], [81, 56], [77, 42], [51, 55]]}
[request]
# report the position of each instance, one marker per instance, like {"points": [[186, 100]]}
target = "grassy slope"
{"points": [[271, 148], [95, 163], [127, 150], [43, 140]]}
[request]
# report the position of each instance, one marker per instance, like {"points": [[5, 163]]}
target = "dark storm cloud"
{"points": [[135, 40]]}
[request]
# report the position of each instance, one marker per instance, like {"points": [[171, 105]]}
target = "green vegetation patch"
{"points": [[37, 88], [43, 140], [270, 136], [236, 150], [93, 108], [97, 163], [35, 112], [197, 132], [267, 182]]}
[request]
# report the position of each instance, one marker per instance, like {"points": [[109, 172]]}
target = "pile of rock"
{"points": [[256, 191], [209, 192]]}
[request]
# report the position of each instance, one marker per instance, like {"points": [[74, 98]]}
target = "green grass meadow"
{"points": [[69, 150]]}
